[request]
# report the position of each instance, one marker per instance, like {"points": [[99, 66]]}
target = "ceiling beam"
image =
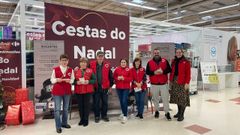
{"points": [[187, 15], [102, 5], [152, 14], [227, 18], [234, 22]]}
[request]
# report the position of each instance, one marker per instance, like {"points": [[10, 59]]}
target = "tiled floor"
{"points": [[198, 129], [222, 118]]}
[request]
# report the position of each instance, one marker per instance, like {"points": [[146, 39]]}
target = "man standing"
{"points": [[158, 69], [104, 82]]}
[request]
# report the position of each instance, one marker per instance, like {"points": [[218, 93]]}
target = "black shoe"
{"points": [[137, 115], [141, 116], [85, 123], [167, 115], [176, 115], [180, 119], [66, 126], [59, 130], [106, 119], [80, 123], [156, 114], [181, 114], [97, 119]]}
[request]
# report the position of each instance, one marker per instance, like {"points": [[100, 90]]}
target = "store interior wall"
{"points": [[200, 40]]}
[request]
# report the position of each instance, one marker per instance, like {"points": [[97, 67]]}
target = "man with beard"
{"points": [[158, 69]]}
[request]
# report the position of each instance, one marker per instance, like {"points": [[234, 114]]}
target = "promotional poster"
{"points": [[86, 32], [11, 69]]}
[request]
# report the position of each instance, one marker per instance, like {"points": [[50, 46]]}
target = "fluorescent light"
{"points": [[6, 1], [3, 13], [206, 18], [36, 6], [141, 6], [221, 8], [227, 27], [177, 12], [3, 21], [138, 1]]}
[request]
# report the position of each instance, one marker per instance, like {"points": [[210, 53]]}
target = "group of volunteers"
{"points": [[95, 79]]}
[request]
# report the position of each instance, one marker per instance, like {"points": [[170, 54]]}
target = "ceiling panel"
{"points": [[187, 10]]}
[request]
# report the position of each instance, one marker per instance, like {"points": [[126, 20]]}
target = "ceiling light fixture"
{"points": [[221, 8], [138, 1], [3, 13], [36, 6], [140, 6], [179, 12], [7, 1], [206, 18]]}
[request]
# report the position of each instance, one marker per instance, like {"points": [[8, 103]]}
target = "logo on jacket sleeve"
{"points": [[107, 65], [88, 70]]}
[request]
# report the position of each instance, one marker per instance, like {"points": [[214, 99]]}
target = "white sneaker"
{"points": [[120, 117], [124, 119]]}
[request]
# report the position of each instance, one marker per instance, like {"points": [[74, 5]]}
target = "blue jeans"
{"points": [[140, 98], [123, 98], [57, 110]]}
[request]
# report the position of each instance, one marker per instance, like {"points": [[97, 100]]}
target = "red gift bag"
{"points": [[13, 115], [28, 113], [21, 95]]}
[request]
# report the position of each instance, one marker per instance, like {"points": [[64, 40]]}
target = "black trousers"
{"points": [[100, 101], [84, 106]]}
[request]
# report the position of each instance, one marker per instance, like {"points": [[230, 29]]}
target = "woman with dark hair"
{"points": [[179, 83], [122, 77], [139, 85], [232, 51]]}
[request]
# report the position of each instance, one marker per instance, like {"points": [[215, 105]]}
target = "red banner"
{"points": [[85, 32], [10, 69]]}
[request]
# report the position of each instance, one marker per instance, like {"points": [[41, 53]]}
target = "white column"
{"points": [[23, 42]]}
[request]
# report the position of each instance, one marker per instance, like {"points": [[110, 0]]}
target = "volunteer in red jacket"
{"points": [[84, 81], [158, 69], [139, 85], [62, 78], [123, 78], [103, 84], [179, 83]]}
